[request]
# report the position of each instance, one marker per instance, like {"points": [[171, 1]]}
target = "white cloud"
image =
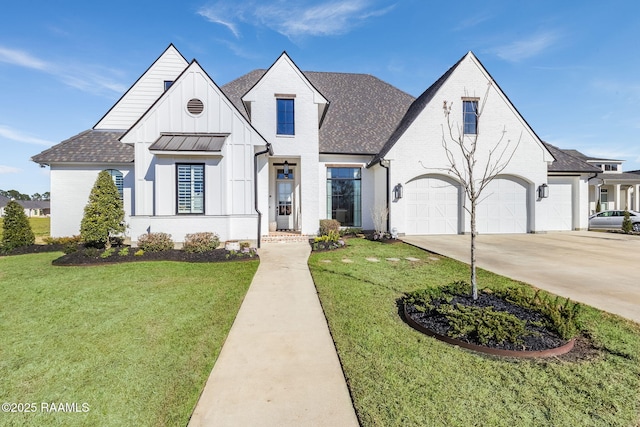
{"points": [[474, 21], [528, 47], [5, 170], [86, 78], [16, 135], [21, 59], [294, 19], [216, 14]]}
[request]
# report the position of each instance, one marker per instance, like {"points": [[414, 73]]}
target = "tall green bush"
{"points": [[104, 214], [627, 225], [16, 230]]}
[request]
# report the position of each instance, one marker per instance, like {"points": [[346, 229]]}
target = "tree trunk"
{"points": [[474, 282]]}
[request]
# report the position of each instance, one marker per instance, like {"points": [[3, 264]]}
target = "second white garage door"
{"points": [[503, 208], [432, 206]]}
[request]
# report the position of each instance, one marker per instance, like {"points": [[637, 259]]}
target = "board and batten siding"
{"points": [[145, 91]]}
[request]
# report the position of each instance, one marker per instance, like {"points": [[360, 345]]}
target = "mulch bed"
{"points": [[92, 257], [540, 338]]}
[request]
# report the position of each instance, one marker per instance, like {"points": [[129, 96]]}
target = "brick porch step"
{"points": [[284, 237]]}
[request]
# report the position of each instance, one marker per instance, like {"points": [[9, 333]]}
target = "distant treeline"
{"points": [[16, 195]]}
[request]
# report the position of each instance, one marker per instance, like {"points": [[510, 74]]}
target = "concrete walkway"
{"points": [[598, 269], [278, 366]]}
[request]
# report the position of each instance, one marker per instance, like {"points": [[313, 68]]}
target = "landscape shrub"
{"points": [[62, 240], [155, 242], [328, 225], [104, 214], [627, 225], [200, 242], [563, 314], [16, 229], [124, 251], [483, 324], [107, 253]]}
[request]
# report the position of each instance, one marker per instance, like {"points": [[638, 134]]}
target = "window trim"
{"points": [[115, 173], [357, 213], [293, 116], [472, 125], [177, 195]]}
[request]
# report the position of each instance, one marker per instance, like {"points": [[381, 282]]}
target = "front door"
{"points": [[284, 207]]}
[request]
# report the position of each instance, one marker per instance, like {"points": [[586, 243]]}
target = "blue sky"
{"points": [[571, 68]]}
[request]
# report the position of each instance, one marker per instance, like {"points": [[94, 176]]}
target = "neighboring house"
{"points": [[32, 208], [616, 190], [282, 149]]}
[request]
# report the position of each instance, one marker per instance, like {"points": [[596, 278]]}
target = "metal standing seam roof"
{"points": [[90, 146], [189, 142], [362, 114]]}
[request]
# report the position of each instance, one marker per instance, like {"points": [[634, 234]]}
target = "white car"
{"points": [[612, 220]]}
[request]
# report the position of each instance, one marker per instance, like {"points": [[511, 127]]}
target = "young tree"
{"points": [[627, 225], [104, 214], [16, 228], [475, 164]]}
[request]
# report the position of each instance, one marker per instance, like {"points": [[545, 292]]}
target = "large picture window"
{"points": [[286, 117], [470, 117], [344, 196], [190, 188]]}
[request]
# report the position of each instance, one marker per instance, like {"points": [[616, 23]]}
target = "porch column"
{"points": [[616, 197], [636, 198]]}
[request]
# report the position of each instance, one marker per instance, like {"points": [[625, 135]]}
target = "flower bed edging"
{"points": [[551, 352]]}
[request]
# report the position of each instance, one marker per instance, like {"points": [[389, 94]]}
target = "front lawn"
{"points": [[134, 342], [397, 376]]}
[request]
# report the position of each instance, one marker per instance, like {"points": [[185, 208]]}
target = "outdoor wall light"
{"points": [[286, 169], [398, 191], [543, 191]]}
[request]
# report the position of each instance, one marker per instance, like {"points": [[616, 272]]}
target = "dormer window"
{"points": [[285, 116], [470, 116], [610, 168]]}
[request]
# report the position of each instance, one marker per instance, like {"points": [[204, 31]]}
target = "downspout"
{"points": [[382, 163], [595, 175], [268, 149]]}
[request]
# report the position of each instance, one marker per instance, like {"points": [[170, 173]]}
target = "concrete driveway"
{"points": [[598, 269]]}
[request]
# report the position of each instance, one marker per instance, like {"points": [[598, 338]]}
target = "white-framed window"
{"points": [[118, 180], [190, 188], [470, 116]]}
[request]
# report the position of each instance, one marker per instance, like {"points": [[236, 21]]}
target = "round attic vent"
{"points": [[195, 106]]}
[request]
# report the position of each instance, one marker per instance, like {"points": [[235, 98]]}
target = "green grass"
{"points": [[39, 226], [398, 376], [135, 341]]}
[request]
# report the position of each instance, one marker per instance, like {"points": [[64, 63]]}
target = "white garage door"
{"points": [[432, 206], [559, 205], [503, 208]]}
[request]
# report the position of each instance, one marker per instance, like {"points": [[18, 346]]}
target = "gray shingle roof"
{"points": [[189, 142], [620, 176], [567, 162], [576, 153], [90, 146], [413, 112], [363, 110]]}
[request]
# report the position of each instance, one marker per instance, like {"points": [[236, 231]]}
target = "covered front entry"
{"points": [[433, 205], [503, 207], [286, 197]]}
